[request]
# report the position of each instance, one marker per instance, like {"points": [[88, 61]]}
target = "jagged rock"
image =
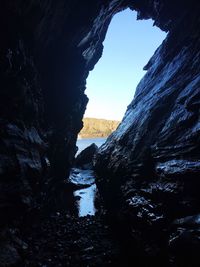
{"points": [[188, 221], [184, 241], [84, 159], [179, 168], [46, 52], [149, 167]]}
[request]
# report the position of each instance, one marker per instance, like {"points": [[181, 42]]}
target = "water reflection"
{"points": [[86, 200], [86, 191]]}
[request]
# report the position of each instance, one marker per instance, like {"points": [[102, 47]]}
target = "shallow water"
{"points": [[85, 197], [86, 202]]}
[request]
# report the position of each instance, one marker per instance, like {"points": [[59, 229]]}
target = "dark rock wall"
{"points": [[150, 166], [164, 115], [22, 147], [46, 51]]}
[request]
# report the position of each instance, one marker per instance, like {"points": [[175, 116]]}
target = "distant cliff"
{"points": [[97, 127]]}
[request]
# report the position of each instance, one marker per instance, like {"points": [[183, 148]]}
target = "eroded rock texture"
{"points": [[47, 49], [150, 166]]}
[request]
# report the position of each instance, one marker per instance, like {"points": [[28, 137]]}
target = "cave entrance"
{"points": [[128, 46]]}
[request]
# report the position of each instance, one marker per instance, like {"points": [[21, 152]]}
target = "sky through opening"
{"points": [[128, 46]]}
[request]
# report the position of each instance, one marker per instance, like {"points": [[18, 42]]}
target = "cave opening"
{"points": [[148, 172], [111, 85]]}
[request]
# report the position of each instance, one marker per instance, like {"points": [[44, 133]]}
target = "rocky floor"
{"points": [[64, 240]]}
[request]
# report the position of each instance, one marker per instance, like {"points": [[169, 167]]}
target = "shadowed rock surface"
{"points": [[148, 169], [85, 158], [151, 163], [65, 240]]}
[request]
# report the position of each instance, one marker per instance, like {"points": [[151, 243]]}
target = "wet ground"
{"points": [[85, 196], [84, 240], [63, 240]]}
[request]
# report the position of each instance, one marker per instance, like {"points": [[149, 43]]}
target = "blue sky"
{"points": [[128, 46]]}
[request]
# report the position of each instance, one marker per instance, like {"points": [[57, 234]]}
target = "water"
{"points": [[85, 196], [85, 181], [85, 142], [86, 200]]}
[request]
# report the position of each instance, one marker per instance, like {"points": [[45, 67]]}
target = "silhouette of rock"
{"points": [[148, 171], [85, 158]]}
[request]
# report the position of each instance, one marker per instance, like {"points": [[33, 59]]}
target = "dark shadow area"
{"points": [[143, 183]]}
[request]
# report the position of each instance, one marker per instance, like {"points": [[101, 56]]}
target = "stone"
{"points": [[193, 220], [184, 241], [9, 256], [85, 158], [179, 168], [46, 52], [149, 167]]}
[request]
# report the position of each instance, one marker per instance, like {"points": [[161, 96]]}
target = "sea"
{"points": [[85, 142]]}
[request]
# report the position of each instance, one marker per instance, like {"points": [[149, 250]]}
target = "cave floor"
{"points": [[65, 240]]}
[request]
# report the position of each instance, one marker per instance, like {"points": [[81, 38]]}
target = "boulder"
{"points": [[84, 159]]}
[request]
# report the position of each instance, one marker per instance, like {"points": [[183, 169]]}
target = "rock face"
{"points": [[46, 52], [42, 76], [150, 166], [84, 159], [184, 240]]}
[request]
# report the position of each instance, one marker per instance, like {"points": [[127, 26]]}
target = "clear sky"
{"points": [[128, 46]]}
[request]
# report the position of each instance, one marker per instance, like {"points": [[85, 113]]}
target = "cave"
{"points": [[148, 171]]}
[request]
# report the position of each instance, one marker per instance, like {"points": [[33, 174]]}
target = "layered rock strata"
{"points": [[47, 50], [149, 167]]}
